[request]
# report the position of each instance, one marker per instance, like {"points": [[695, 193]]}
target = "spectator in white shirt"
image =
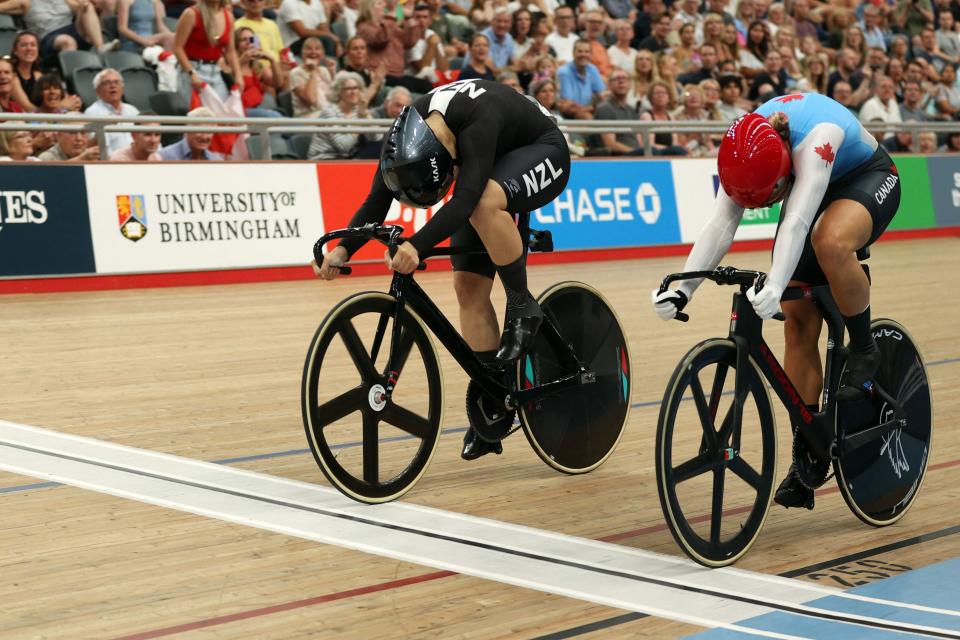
{"points": [[109, 87], [563, 37], [427, 55], [882, 107], [299, 19]]}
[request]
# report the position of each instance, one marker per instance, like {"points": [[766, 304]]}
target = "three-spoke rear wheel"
{"points": [[716, 454], [372, 445]]}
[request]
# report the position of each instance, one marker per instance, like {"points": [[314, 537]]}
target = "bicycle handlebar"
{"points": [[721, 275]]}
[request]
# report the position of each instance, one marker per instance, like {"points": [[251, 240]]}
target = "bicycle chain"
{"points": [[811, 471]]}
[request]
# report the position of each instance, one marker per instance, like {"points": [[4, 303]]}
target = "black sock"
{"points": [[514, 279], [858, 326]]}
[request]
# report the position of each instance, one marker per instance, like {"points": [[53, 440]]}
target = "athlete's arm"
{"points": [[476, 144], [714, 240], [373, 209], [812, 163]]}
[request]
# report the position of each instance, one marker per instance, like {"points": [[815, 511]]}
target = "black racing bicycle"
{"points": [[717, 441], [372, 391]]}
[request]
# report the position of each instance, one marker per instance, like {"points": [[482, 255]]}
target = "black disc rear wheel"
{"points": [[880, 476], [576, 430]]}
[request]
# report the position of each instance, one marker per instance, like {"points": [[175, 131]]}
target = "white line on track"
{"points": [[603, 573]]}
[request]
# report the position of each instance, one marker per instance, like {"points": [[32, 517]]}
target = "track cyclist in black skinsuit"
{"points": [[509, 158]]}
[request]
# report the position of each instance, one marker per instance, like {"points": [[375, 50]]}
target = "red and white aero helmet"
{"points": [[753, 162]]}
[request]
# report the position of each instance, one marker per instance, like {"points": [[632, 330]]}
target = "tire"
{"points": [[574, 431], [685, 489], [880, 479], [370, 448]]}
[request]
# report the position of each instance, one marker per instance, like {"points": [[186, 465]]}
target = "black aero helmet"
{"points": [[415, 165]]}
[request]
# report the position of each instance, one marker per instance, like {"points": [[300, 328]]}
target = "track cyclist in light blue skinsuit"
{"points": [[840, 189]]}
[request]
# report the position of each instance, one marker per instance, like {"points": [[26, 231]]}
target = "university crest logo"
{"points": [[132, 212]]}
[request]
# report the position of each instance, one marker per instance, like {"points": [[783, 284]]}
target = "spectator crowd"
{"points": [[887, 61]]}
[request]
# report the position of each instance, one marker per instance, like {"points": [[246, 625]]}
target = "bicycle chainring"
{"points": [[811, 471], [488, 417]]}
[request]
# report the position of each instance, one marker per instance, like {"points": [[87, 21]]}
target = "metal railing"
{"points": [[264, 127]]}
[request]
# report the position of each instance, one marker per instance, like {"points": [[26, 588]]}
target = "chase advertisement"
{"points": [[44, 226], [610, 204]]}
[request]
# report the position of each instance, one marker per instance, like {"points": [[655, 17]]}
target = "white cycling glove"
{"points": [[667, 304], [767, 302]]}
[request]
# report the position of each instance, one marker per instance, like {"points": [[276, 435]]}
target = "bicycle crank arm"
{"points": [[521, 396], [856, 440]]}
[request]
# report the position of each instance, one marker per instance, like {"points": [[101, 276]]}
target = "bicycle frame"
{"points": [[406, 291]]}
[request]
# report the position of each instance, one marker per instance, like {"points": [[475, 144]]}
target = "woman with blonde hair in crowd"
{"points": [[711, 97], [743, 15], [311, 80], [787, 37], [16, 146], [697, 144], [853, 39], [202, 43], [808, 46], [667, 72], [644, 73], [660, 97], [817, 72], [686, 52], [776, 18], [346, 100], [713, 34], [620, 53], [731, 40]]}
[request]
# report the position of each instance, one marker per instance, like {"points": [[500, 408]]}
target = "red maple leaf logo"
{"points": [[790, 98], [825, 151]]}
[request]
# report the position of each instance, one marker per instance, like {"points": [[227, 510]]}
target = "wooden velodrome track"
{"points": [[213, 374]]}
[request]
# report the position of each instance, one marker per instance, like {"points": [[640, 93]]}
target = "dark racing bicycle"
{"points": [[717, 442], [372, 391]]}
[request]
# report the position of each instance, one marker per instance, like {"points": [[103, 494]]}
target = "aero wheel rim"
{"points": [[576, 430], [373, 447], [881, 478], [715, 484]]}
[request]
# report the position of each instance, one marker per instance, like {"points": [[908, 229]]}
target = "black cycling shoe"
{"points": [[861, 368], [474, 446], [792, 493], [519, 331]]}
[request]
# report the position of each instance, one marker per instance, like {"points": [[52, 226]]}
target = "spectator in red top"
{"points": [[261, 74], [203, 43], [387, 42], [7, 83]]}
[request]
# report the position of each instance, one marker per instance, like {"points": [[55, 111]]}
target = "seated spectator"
{"points": [[427, 55], [502, 46], [914, 106], [143, 148], [753, 53], [266, 30], [346, 101], [816, 70], [711, 98], [689, 14], [109, 87], [927, 142], [899, 48], [952, 144], [526, 65], [657, 40], [713, 35], [203, 39], [16, 146], [510, 79], [616, 108], [595, 25], [661, 103], [773, 75], [643, 75], [882, 107], [900, 142], [65, 27], [946, 96], [581, 86], [545, 92], [25, 56], [387, 42], [261, 74], [730, 40], [843, 94], [696, 144], [50, 95], [708, 66], [620, 53], [71, 146], [948, 41], [776, 18], [478, 65], [873, 32], [357, 59], [730, 108], [853, 39], [522, 32], [141, 24], [562, 39], [302, 19], [310, 81], [8, 85], [193, 146], [930, 51], [667, 71], [895, 69]]}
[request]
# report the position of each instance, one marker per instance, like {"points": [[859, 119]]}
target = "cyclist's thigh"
{"points": [[876, 188], [479, 263], [532, 176]]}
